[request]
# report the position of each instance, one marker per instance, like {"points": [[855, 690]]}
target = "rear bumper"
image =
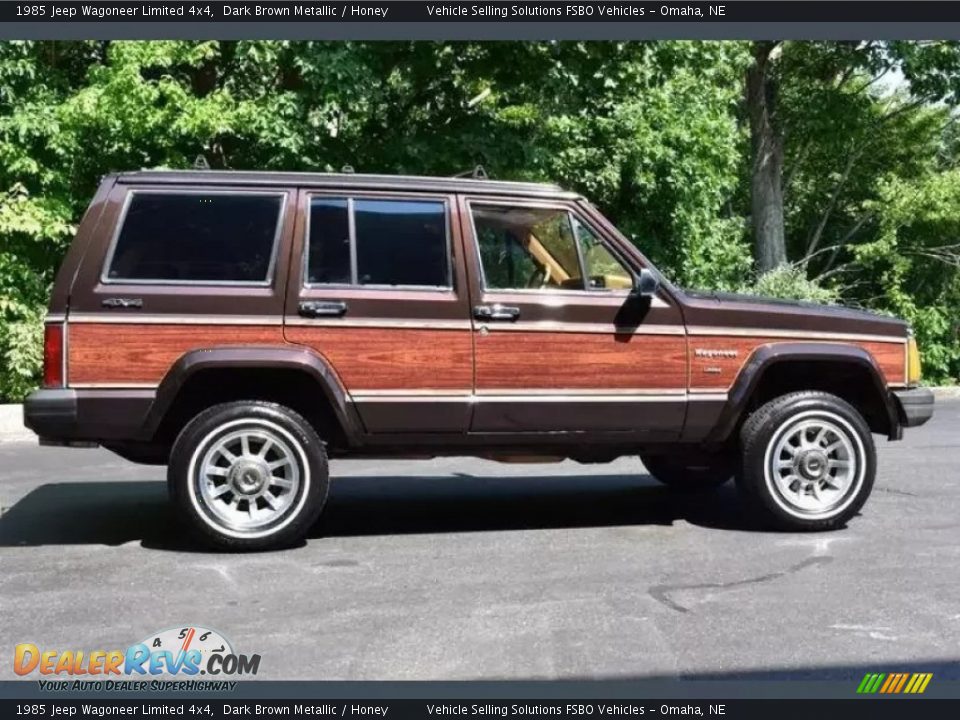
{"points": [[65, 415], [915, 406], [51, 413]]}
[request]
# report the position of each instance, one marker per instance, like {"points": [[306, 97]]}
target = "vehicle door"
{"points": [[380, 293], [560, 342]]}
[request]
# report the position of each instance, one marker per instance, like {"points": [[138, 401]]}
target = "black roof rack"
{"points": [[360, 181], [478, 173]]}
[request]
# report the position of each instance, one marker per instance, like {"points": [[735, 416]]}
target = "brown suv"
{"points": [[243, 327]]}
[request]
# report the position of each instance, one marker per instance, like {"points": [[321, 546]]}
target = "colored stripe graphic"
{"points": [[891, 680], [903, 681], [894, 683]]}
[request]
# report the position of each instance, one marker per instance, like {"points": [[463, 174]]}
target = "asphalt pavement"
{"points": [[466, 569]]}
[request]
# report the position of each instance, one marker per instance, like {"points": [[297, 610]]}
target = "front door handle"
{"points": [[322, 308], [496, 312]]}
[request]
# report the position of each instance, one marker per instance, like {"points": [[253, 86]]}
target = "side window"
{"points": [[537, 248], [397, 243], [196, 237], [526, 247], [328, 252], [603, 270]]}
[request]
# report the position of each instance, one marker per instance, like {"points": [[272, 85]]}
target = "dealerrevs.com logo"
{"points": [[186, 651]]}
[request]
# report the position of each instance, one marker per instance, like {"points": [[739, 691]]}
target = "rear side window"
{"points": [[395, 243], [196, 237]]}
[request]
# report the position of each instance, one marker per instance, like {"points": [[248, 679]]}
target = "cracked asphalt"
{"points": [[466, 569]]}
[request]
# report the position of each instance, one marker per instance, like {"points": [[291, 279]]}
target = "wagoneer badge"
{"points": [[709, 353]]}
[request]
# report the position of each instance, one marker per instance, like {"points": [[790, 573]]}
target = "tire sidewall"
{"points": [[760, 486], [203, 430], [852, 492]]}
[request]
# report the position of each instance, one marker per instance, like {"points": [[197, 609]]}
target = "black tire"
{"points": [[286, 500], [691, 472], [803, 486]]}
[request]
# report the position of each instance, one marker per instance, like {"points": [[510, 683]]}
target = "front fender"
{"points": [[767, 356]]}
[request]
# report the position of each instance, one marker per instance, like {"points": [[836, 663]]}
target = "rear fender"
{"points": [[255, 357]]}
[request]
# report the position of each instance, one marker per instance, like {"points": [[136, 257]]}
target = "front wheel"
{"points": [[249, 475], [808, 461]]}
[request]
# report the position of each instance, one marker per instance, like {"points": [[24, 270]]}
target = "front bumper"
{"points": [[915, 406]]}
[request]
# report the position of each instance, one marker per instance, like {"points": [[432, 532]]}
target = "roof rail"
{"points": [[478, 173]]}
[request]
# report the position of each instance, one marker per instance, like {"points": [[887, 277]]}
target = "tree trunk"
{"points": [[766, 176]]}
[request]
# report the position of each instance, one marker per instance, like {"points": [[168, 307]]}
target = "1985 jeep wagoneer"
{"points": [[242, 327]]}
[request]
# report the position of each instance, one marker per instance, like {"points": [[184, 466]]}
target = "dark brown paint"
{"points": [[423, 341]]}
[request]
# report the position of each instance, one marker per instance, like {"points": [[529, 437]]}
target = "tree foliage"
{"points": [[656, 134]]}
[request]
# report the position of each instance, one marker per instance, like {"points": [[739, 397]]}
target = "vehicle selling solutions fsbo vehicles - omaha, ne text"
{"points": [[243, 327]]}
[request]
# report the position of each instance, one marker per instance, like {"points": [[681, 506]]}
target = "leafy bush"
{"points": [[21, 351], [33, 233], [789, 282], [914, 264]]}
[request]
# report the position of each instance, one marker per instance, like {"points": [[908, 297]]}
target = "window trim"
{"points": [[354, 283], [572, 217], [271, 265]]}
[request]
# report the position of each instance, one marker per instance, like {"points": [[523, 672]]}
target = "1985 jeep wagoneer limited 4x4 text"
{"points": [[242, 327]]}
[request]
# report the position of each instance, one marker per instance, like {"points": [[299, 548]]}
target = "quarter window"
{"points": [[196, 237], [399, 243], [603, 270], [539, 248]]}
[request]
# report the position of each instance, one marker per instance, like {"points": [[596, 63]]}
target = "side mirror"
{"points": [[645, 284]]}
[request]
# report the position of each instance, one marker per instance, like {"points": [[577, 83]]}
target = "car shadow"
{"points": [[116, 513]]}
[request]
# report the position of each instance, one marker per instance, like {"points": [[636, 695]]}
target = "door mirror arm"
{"points": [[645, 284]]}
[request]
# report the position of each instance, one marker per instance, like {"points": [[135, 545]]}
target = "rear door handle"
{"points": [[120, 302], [496, 312], [322, 308]]}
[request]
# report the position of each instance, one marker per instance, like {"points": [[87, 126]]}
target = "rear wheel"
{"points": [[691, 472], [249, 475], [808, 462]]}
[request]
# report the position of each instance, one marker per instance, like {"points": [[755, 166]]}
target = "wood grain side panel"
{"points": [[114, 353], [891, 359], [365, 358], [519, 360], [719, 373], [392, 358]]}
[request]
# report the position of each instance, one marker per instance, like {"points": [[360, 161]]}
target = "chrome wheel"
{"points": [[248, 477], [814, 464]]}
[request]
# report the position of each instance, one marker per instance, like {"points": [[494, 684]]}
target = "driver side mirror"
{"points": [[645, 284]]}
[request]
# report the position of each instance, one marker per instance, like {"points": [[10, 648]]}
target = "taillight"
{"points": [[53, 355]]}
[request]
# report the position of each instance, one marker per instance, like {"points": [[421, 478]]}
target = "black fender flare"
{"points": [[766, 356], [270, 357]]}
